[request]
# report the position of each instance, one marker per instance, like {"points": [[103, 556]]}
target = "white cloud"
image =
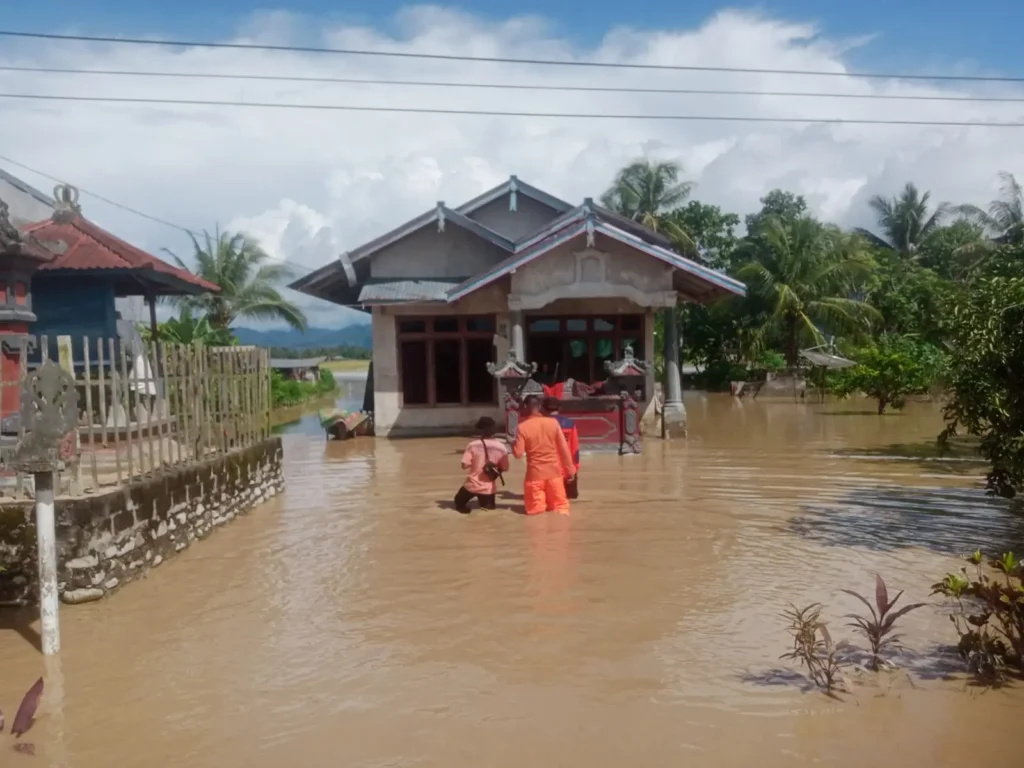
{"points": [[310, 184]]}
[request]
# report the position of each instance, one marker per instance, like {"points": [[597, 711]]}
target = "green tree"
{"points": [[188, 329], [986, 376], [955, 250], [904, 221], [1004, 218], [247, 282], [777, 204], [805, 273], [713, 232], [889, 369], [909, 298], [645, 192]]}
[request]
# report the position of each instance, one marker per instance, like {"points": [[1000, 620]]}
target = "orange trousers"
{"points": [[545, 496]]}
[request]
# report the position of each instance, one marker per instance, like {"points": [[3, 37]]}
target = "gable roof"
{"points": [[590, 221], [346, 281], [514, 186], [78, 244]]}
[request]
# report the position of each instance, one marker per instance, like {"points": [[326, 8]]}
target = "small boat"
{"points": [[342, 425]]}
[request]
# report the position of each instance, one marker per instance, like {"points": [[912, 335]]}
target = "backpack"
{"points": [[491, 470]]}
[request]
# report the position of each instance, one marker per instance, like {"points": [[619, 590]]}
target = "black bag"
{"points": [[491, 470]]}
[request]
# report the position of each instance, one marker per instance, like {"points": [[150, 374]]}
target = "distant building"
{"points": [[298, 369]]}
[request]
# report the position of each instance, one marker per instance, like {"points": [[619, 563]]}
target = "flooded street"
{"points": [[357, 620]]}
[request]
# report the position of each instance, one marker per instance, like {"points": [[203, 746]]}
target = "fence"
{"points": [[143, 407]]}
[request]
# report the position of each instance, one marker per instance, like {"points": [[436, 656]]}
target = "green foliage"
{"points": [[909, 298], [988, 615], [805, 273], [285, 392], [813, 647], [248, 282], [645, 192], [1004, 219], [889, 369], [985, 323], [777, 204], [188, 329], [711, 230], [905, 221]]}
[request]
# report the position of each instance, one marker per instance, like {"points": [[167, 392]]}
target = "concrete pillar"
{"points": [[673, 418], [46, 541], [516, 340]]}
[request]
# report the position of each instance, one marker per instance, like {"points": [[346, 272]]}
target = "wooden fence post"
{"points": [[65, 357]]}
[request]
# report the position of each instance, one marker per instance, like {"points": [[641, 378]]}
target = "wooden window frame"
{"points": [[590, 334], [431, 336]]}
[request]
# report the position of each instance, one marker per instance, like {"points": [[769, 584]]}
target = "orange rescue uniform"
{"points": [[548, 463]]}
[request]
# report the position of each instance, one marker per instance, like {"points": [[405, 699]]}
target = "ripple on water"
{"points": [[358, 620]]}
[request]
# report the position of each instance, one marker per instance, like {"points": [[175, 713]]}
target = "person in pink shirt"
{"points": [[485, 459]]}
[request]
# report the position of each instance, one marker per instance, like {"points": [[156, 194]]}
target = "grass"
{"points": [[346, 366]]}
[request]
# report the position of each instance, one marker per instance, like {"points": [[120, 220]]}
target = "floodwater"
{"points": [[357, 620]]}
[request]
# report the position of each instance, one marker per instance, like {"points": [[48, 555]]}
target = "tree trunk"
{"points": [[881, 406]]}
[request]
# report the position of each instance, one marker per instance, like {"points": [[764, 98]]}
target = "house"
{"points": [[298, 369], [76, 291], [572, 289]]}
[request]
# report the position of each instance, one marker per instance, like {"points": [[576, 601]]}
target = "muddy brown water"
{"points": [[358, 621]]}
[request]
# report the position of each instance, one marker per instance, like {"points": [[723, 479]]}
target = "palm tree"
{"points": [[1005, 216], [644, 191], [247, 282], [904, 221], [803, 273]]}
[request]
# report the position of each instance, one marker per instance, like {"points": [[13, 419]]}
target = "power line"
{"points": [[127, 208], [500, 59], [495, 113], [503, 86]]}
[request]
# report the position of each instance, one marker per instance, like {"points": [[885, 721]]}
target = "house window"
{"points": [[578, 347], [443, 360]]}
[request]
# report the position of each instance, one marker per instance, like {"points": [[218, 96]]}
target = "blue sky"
{"points": [[911, 34]]}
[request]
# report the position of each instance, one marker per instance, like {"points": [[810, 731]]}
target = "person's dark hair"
{"points": [[551, 404], [486, 427], [532, 403]]}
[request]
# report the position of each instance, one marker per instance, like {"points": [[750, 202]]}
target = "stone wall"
{"points": [[104, 542]]}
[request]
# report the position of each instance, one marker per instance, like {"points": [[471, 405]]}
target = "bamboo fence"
{"points": [[144, 409]]}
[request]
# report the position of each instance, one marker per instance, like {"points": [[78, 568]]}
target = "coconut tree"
{"points": [[803, 274], [1004, 219], [247, 282], [645, 192], [904, 221]]}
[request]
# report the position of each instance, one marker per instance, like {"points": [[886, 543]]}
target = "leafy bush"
{"points": [[813, 647], [188, 329], [986, 376], [879, 627], [989, 615], [285, 392], [890, 369]]}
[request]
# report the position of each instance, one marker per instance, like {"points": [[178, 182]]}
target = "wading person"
{"points": [[551, 408], [485, 459], [548, 461]]}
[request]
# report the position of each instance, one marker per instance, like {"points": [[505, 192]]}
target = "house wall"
{"points": [[609, 270], [528, 217], [427, 253], [390, 419], [74, 305]]}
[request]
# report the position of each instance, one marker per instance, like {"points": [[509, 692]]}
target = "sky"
{"points": [[309, 185]]}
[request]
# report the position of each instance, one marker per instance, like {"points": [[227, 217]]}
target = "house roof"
{"points": [[288, 363], [348, 282], [513, 185], [27, 188], [80, 245]]}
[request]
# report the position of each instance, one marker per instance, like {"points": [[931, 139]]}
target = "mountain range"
{"points": [[350, 335]]}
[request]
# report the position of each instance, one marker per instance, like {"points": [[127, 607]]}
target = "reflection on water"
{"points": [[354, 620]]}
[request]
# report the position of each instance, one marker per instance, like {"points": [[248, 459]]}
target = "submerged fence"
{"points": [[143, 408]]}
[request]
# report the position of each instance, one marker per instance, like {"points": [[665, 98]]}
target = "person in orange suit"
{"points": [[549, 463], [551, 407]]}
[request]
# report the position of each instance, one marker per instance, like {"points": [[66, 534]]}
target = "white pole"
{"points": [[46, 538]]}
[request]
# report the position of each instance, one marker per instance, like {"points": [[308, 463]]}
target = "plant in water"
{"points": [[813, 647], [989, 615], [878, 628], [25, 717]]}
